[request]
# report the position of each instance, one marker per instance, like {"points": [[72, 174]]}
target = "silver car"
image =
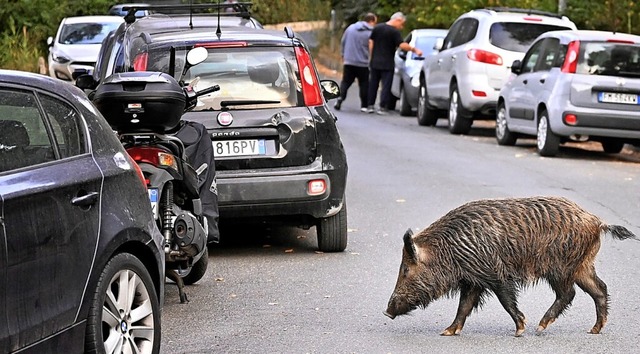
{"points": [[77, 42], [574, 86], [406, 73], [472, 64]]}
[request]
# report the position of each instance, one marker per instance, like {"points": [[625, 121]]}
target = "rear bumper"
{"points": [[594, 122]]}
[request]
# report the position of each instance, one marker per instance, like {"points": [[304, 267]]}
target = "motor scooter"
{"points": [[145, 109]]}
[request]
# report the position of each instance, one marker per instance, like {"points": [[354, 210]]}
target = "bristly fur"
{"points": [[502, 246]]}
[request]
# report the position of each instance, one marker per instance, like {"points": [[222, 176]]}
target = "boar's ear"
{"points": [[409, 246]]}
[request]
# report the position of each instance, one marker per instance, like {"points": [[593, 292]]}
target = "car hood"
{"points": [[78, 52]]}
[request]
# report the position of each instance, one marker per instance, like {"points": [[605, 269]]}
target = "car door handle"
{"points": [[542, 80], [85, 200], [525, 81]]}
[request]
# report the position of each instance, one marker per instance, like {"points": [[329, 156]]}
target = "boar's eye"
{"points": [[405, 270]]}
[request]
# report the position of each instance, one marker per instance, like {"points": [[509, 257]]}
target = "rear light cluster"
{"points": [[484, 56], [140, 62], [571, 59], [570, 119], [310, 86], [316, 187], [154, 156]]}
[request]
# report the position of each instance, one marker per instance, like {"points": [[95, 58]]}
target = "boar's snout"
{"points": [[389, 315], [398, 306]]}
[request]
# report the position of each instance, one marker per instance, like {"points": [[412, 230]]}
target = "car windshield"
{"points": [[86, 33], [518, 36], [609, 58]]}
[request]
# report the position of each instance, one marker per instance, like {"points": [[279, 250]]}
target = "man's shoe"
{"points": [[338, 104], [382, 111], [370, 109], [364, 110]]}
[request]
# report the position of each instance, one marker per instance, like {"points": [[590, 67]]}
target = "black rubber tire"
{"points": [[503, 135], [427, 116], [332, 232], [405, 107], [105, 319], [197, 271], [548, 144], [612, 146], [460, 120]]}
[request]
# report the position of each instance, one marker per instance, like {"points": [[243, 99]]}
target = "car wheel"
{"points": [[427, 116], [332, 232], [503, 134], [197, 271], [459, 119], [124, 315], [612, 146], [548, 143], [405, 107]]}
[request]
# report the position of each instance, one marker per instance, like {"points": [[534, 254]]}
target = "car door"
{"points": [[400, 59], [50, 199]]}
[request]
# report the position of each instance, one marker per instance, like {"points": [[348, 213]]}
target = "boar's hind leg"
{"points": [[564, 295], [594, 286], [507, 294], [469, 299]]}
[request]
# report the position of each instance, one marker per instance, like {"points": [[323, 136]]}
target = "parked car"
{"points": [[406, 74], [463, 79], [279, 156], [574, 85], [77, 43], [82, 264]]}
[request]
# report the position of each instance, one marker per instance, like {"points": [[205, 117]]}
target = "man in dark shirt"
{"points": [[384, 40]]}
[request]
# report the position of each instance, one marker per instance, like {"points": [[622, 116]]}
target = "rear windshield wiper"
{"points": [[225, 104]]}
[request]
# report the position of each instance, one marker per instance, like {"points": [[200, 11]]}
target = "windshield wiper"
{"points": [[225, 104]]}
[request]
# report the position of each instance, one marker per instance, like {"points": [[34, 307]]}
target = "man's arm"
{"points": [[407, 48]]}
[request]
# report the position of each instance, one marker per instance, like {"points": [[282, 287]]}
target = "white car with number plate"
{"points": [[574, 85]]}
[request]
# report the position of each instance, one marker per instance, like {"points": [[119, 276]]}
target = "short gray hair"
{"points": [[398, 16]]}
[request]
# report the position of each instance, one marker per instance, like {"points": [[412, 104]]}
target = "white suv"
{"points": [[474, 62]]}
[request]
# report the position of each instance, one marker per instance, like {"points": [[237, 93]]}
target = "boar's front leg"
{"points": [[507, 294], [469, 299]]}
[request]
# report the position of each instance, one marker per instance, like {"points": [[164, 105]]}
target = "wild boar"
{"points": [[501, 246]]}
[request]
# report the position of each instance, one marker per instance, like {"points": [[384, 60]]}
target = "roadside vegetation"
{"points": [[26, 24]]}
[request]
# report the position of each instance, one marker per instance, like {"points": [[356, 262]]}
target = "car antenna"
{"points": [[191, 14], [218, 31]]}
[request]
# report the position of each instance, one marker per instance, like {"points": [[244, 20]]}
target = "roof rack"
{"points": [[238, 9], [523, 11]]}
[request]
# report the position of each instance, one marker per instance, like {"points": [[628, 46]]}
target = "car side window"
{"points": [[24, 140], [550, 53], [531, 58], [453, 32], [467, 31], [65, 124]]}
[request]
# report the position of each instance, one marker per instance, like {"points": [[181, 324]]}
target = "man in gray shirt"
{"points": [[355, 58]]}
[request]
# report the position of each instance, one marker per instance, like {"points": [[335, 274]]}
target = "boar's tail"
{"points": [[619, 232]]}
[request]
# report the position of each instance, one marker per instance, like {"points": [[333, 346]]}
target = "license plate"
{"points": [[614, 97], [153, 199], [247, 147]]}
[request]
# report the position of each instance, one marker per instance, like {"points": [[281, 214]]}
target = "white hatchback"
{"points": [[77, 43], [473, 63]]}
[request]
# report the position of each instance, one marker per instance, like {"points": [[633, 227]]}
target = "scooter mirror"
{"points": [[197, 55]]}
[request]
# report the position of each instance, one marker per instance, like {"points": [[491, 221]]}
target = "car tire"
{"points": [[459, 118], [427, 116], [503, 135], [548, 143], [612, 146], [110, 321], [405, 107], [332, 232], [197, 271]]}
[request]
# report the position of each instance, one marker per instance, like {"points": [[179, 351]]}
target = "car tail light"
{"points": [[140, 62], [535, 19], [478, 93], [570, 119], [484, 56], [221, 45], [154, 156], [145, 181], [310, 86], [316, 187], [624, 41], [571, 59]]}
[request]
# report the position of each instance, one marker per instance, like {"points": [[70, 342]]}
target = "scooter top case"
{"points": [[141, 101]]}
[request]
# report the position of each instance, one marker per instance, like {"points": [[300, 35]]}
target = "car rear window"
{"points": [[518, 36], [609, 58]]}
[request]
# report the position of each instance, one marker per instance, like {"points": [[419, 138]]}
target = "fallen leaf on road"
{"points": [[290, 250], [219, 279]]}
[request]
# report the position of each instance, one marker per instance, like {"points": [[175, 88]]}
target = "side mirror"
{"points": [[197, 55], [516, 67], [50, 41], [439, 43], [330, 89], [86, 82]]}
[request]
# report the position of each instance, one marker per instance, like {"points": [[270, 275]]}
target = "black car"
{"points": [[82, 265], [279, 156]]}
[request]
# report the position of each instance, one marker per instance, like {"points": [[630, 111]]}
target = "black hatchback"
{"points": [[279, 156], [81, 261]]}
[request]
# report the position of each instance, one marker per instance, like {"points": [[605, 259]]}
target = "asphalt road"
{"points": [[269, 291]]}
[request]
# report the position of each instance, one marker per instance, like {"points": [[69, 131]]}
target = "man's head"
{"points": [[397, 20], [370, 18]]}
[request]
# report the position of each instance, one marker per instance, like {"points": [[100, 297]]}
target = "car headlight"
{"points": [[60, 58]]}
